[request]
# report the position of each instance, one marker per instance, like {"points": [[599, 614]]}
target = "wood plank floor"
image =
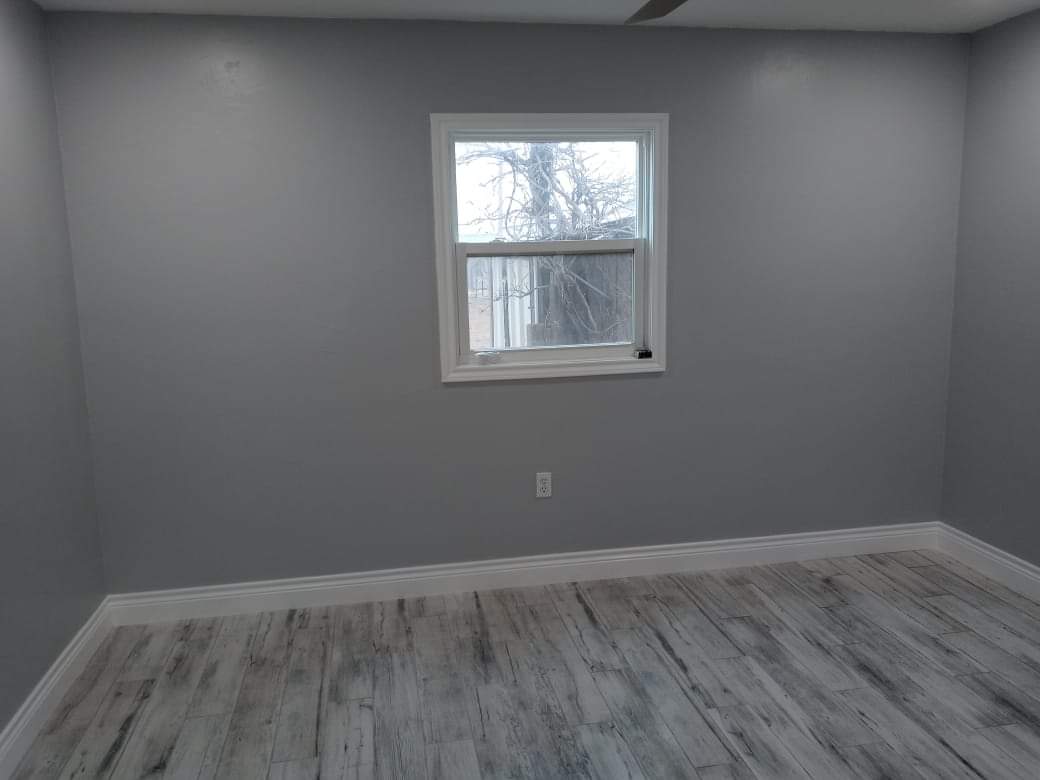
{"points": [[906, 665]]}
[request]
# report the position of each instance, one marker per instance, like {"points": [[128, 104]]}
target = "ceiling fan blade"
{"points": [[654, 9]]}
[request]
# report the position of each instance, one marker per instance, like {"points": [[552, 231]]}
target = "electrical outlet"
{"points": [[543, 484]]}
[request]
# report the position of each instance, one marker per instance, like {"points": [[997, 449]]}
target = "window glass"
{"points": [[551, 191], [525, 302]]}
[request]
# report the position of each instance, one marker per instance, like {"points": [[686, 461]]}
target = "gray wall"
{"points": [[992, 484], [50, 566], [250, 206]]}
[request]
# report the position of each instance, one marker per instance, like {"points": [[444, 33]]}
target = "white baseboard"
{"points": [[216, 600], [1005, 568], [30, 718]]}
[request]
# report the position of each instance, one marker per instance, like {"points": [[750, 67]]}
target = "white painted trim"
{"points": [[215, 600], [559, 368], [30, 718], [1007, 569], [527, 248], [652, 132]]}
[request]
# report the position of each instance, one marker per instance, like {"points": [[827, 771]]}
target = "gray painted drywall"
{"points": [[50, 565], [992, 489], [250, 206]]}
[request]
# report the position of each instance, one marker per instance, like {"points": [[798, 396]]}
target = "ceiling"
{"points": [[891, 15]]}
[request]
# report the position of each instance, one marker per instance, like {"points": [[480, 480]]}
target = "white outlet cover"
{"points": [[543, 484]]}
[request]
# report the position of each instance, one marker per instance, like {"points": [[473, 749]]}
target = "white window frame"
{"points": [[458, 363]]}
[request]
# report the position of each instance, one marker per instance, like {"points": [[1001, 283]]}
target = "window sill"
{"points": [[555, 370]]}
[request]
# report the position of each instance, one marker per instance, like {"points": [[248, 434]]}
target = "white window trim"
{"points": [[651, 248]]}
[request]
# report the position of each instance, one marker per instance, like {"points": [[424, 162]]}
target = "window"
{"points": [[550, 244]]}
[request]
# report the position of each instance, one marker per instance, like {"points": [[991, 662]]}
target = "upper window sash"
{"points": [[643, 138], [590, 246]]}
